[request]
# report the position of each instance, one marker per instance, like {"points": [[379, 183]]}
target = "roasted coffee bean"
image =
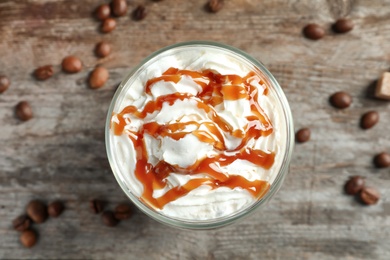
{"points": [[37, 211], [342, 25], [369, 196], [215, 6], [382, 160], [354, 185], [102, 12], [28, 238], [23, 111], [139, 13], [313, 31], [21, 223], [102, 49], [118, 7], [122, 211], [108, 25], [340, 99], [96, 206], [303, 135], [4, 83], [98, 77], [109, 219], [369, 119], [55, 208], [44, 72], [71, 64]]}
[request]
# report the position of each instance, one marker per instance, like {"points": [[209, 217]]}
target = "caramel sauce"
{"points": [[215, 89], [118, 127]]}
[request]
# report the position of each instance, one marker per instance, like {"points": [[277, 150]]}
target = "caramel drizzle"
{"points": [[215, 89]]}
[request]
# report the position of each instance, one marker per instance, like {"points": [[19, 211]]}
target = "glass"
{"points": [[124, 179]]}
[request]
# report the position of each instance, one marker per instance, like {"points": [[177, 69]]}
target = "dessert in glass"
{"points": [[199, 135]]}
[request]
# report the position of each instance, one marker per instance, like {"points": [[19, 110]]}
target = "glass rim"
{"points": [[222, 221]]}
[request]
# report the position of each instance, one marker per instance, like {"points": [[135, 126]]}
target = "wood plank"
{"points": [[60, 153]]}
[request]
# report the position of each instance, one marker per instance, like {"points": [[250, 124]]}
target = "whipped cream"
{"points": [[205, 201]]}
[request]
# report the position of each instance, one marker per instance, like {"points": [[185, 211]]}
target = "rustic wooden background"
{"points": [[60, 153]]}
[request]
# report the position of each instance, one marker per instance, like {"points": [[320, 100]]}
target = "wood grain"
{"points": [[60, 154]]}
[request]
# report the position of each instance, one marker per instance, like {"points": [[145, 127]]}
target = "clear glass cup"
{"points": [[123, 177]]}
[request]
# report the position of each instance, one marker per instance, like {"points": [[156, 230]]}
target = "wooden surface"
{"points": [[60, 153]]}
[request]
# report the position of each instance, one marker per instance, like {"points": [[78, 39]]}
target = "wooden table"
{"points": [[60, 153]]}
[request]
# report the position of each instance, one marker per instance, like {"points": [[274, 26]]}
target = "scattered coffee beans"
{"points": [[369, 119], [108, 25], [55, 208], [354, 185], [383, 86], [4, 83], [382, 160], [109, 219], [28, 238], [122, 211], [71, 64], [313, 31], [139, 13], [340, 99], [366, 195], [21, 223], [102, 49], [369, 196], [44, 72], [37, 211], [98, 77], [342, 25], [215, 6], [23, 111], [303, 135], [118, 7], [102, 12], [96, 206]]}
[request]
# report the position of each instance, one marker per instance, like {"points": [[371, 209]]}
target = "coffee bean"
{"points": [[37, 211], [102, 12], [4, 83], [23, 111], [139, 13], [303, 135], [71, 64], [369, 196], [21, 223], [96, 206], [123, 211], [108, 25], [215, 6], [55, 208], [342, 25], [102, 49], [109, 219], [354, 185], [313, 31], [44, 72], [369, 119], [382, 160], [28, 238], [98, 77], [340, 99], [118, 7]]}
